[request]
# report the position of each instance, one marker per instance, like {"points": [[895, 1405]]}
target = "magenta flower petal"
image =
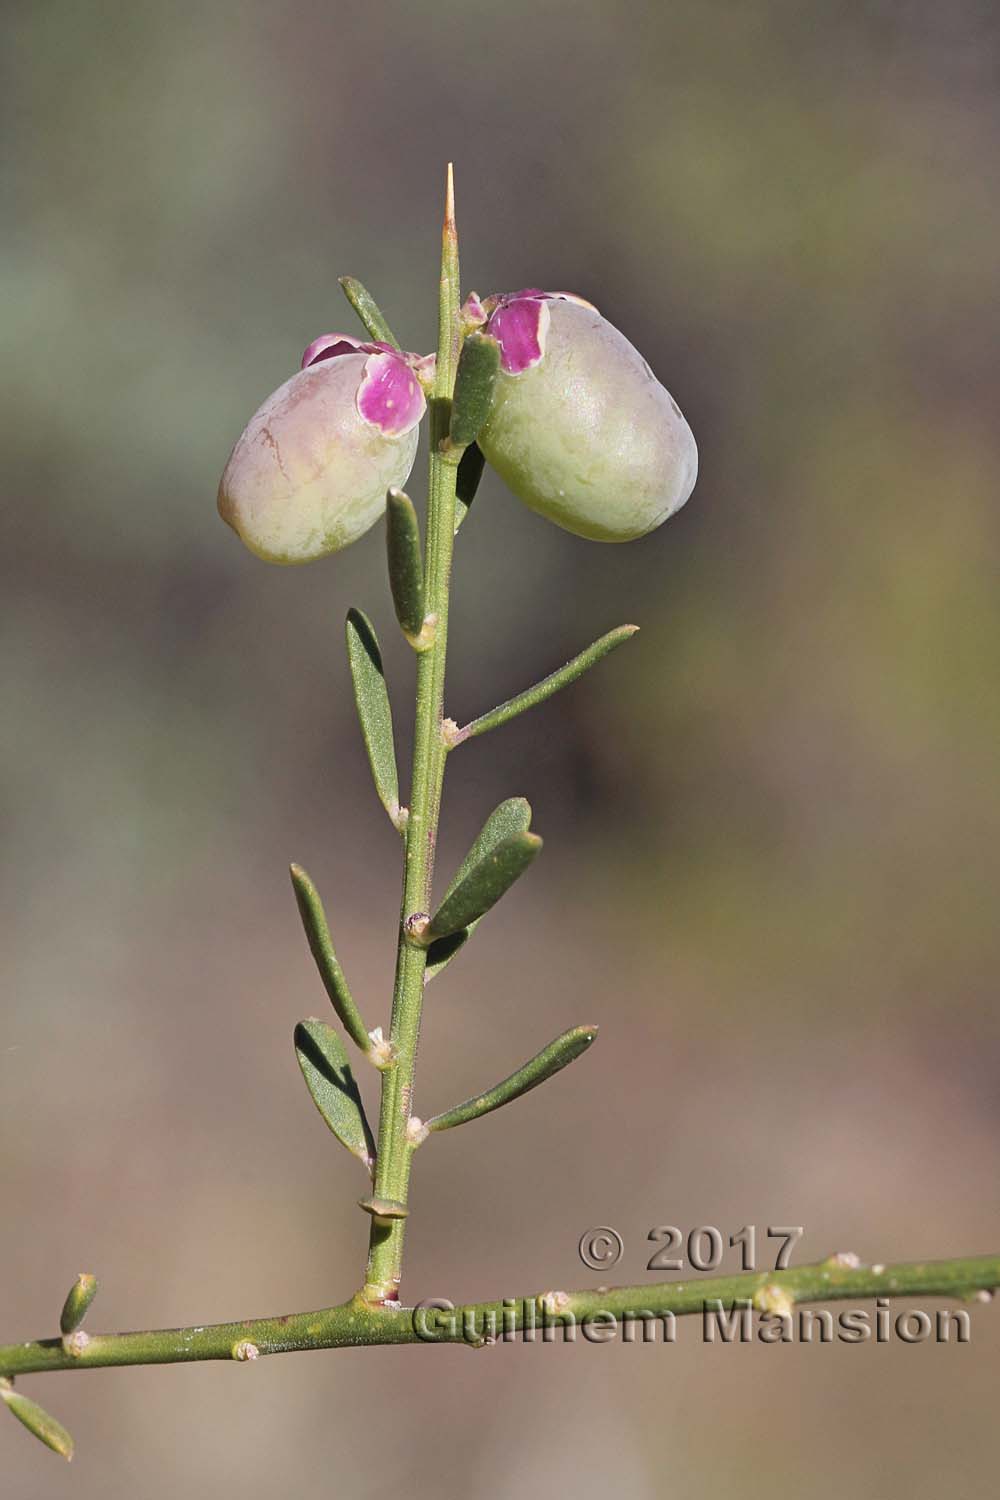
{"points": [[519, 327], [519, 321], [390, 395]]}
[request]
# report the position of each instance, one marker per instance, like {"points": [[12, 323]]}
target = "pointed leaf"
{"points": [[485, 882], [372, 698], [321, 947], [81, 1295], [549, 1061], [470, 472], [549, 685], [329, 1079], [368, 310], [512, 816], [37, 1420], [406, 566], [475, 383]]}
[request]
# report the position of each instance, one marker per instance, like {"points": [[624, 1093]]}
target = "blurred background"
{"points": [[772, 823]]}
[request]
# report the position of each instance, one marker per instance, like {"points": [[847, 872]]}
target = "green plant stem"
{"points": [[358, 1323], [374, 1315], [385, 1251]]}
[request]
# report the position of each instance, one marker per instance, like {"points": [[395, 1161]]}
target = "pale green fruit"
{"points": [[309, 474], [587, 435]]}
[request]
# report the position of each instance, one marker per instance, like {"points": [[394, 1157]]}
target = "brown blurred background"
{"points": [[772, 822]]}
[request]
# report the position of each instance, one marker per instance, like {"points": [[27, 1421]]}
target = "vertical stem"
{"points": [[392, 1177]]}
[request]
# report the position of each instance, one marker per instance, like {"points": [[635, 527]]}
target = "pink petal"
{"points": [[520, 326], [390, 395]]}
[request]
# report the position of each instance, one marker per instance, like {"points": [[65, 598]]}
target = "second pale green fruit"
{"points": [[583, 432]]}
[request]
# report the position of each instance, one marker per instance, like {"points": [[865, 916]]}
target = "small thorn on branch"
{"points": [[845, 1260], [75, 1344], [385, 1210], [774, 1299], [416, 926]]}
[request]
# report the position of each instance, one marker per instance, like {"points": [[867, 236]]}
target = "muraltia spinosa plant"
{"points": [[569, 414]]}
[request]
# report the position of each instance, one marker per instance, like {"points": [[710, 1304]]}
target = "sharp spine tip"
{"points": [[449, 199]]}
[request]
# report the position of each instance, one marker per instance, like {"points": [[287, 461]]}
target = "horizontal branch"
{"points": [[356, 1323]]}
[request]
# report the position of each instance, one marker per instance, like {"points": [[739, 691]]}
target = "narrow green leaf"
{"points": [[81, 1295], [470, 472], [329, 1079], [484, 883], [368, 310], [512, 816], [321, 947], [549, 1061], [37, 1420], [475, 383], [504, 712], [372, 698], [406, 566]]}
